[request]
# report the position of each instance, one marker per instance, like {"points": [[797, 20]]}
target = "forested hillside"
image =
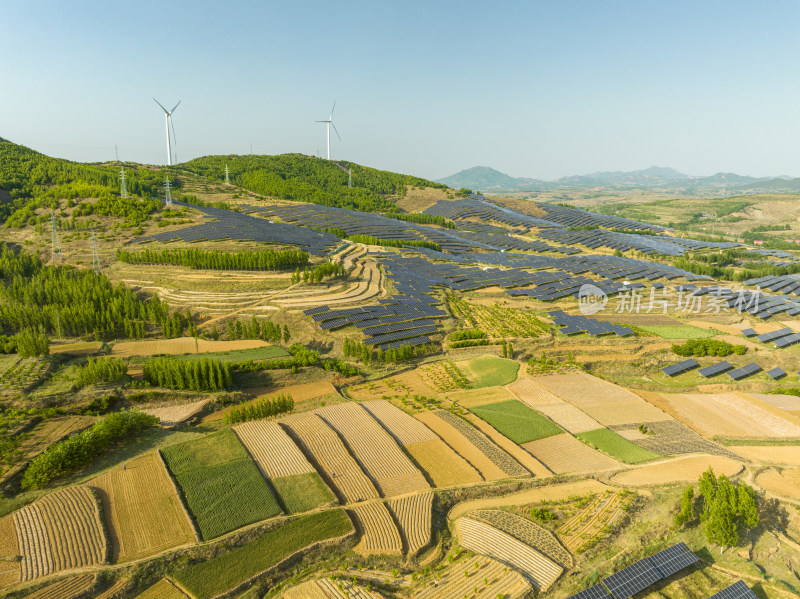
{"points": [[310, 179]]}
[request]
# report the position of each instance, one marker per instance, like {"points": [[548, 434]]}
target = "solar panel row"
{"points": [[715, 369], [680, 367], [738, 590], [745, 371]]}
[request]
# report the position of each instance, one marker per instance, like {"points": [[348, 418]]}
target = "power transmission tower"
{"points": [[123, 189], [227, 176], [168, 192], [56, 242], [95, 256]]}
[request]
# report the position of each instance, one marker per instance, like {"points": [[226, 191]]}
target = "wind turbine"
{"points": [[330, 124], [168, 118]]}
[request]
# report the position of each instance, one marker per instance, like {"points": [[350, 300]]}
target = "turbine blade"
{"points": [[337, 133], [162, 108], [176, 105], [332, 109], [322, 121]]}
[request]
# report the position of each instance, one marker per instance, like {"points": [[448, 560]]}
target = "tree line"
{"points": [[266, 259], [263, 329], [207, 374], [353, 348], [319, 272], [259, 409], [100, 370]]}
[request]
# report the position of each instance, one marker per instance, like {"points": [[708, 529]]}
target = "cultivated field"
{"points": [[404, 428], [787, 455], [379, 535], [485, 539], [453, 584], [222, 486], [272, 449], [669, 437], [380, 457], [143, 512], [683, 469], [67, 588], [328, 589], [489, 371], [163, 589], [469, 398], [616, 446], [781, 482], [559, 411], [525, 459], [565, 454], [60, 531], [10, 568], [438, 377], [588, 522], [181, 345], [443, 465], [517, 421], [175, 415], [413, 514], [529, 390], [327, 450]]}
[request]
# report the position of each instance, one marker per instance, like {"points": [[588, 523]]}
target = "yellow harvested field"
{"points": [[729, 415], [143, 510], [570, 418], [336, 464], [463, 446], [299, 393], [272, 449], [607, 403], [86, 348], [470, 398], [589, 521], [379, 535], [113, 591], [328, 589], [485, 539], [528, 390], [10, 569], [544, 493], [785, 483], [564, 453], [782, 402], [66, 588], [514, 450], [163, 589], [444, 466], [181, 345], [404, 428], [683, 469], [174, 415], [377, 452], [787, 455], [503, 581], [413, 514]]}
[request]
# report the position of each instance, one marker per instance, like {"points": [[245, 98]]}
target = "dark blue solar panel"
{"points": [[738, 590]]}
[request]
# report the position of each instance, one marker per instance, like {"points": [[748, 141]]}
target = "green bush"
{"points": [[101, 370], [707, 347]]}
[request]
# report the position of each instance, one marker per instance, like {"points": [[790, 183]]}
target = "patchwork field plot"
{"points": [[404, 428], [302, 492], [10, 568], [328, 589], [68, 588], [498, 321], [143, 512], [528, 532], [485, 539], [380, 457], [728, 415], [683, 469], [782, 402], [272, 449], [489, 371], [569, 417], [163, 589], [529, 391], [517, 421], [469, 398], [174, 415], [616, 446], [444, 467], [222, 486], [583, 527], [502, 581], [525, 459], [181, 345], [413, 513], [328, 451], [781, 482], [607, 403], [379, 535], [240, 355], [442, 377], [670, 437], [216, 575], [788, 455], [564, 453]]}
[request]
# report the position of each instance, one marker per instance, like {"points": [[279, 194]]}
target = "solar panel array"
{"points": [[582, 324], [680, 367], [771, 336], [776, 373], [673, 559], [715, 369], [787, 340], [786, 284], [756, 303], [745, 371], [738, 590], [640, 575], [597, 591], [749, 332]]}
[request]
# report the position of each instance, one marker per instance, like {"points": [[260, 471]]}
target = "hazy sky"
{"points": [[536, 89]]}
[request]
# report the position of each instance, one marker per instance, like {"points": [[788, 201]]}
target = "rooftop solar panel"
{"points": [[738, 590]]}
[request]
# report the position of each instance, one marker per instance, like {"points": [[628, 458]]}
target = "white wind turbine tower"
{"points": [[168, 118], [330, 124]]}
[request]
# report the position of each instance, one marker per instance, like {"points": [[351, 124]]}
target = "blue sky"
{"points": [[536, 89]]}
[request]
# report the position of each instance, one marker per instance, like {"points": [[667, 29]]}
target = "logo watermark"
{"points": [[592, 299]]}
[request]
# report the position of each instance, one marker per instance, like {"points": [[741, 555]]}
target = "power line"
{"points": [[123, 189], [168, 192]]}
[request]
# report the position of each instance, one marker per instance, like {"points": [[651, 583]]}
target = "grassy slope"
{"points": [[214, 576], [222, 485], [302, 492], [681, 332], [616, 446], [489, 371], [517, 421], [239, 355]]}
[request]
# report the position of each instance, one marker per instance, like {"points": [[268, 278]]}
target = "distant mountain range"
{"points": [[484, 178]]}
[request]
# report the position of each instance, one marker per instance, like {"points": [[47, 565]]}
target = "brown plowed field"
{"points": [[272, 449], [378, 531], [788, 455], [529, 391], [181, 345], [785, 483], [326, 448], [564, 453], [328, 589], [469, 398], [589, 521], [504, 582], [376, 451], [463, 446], [163, 589], [404, 428], [443, 465], [67, 588], [506, 444], [173, 415], [10, 569], [569, 417], [683, 469], [143, 511], [413, 513]]}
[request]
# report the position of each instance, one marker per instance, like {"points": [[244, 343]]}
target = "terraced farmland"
{"points": [[498, 321], [616, 446], [517, 421], [328, 589], [272, 449], [443, 376], [564, 453], [580, 530], [222, 486], [670, 437], [144, 514], [682, 469], [67, 588], [404, 428], [485, 539], [380, 457], [379, 535], [60, 531], [453, 584], [326, 448], [413, 513], [163, 589], [10, 568]]}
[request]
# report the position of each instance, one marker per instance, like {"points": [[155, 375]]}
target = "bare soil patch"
{"points": [[684, 469], [564, 453], [785, 482], [788, 455], [181, 345]]}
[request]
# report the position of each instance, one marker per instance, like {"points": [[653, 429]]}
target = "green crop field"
{"points": [[517, 421], [681, 332], [302, 492], [217, 575], [489, 371], [616, 446], [240, 355], [223, 487]]}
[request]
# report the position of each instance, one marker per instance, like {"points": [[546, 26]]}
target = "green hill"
{"points": [[485, 178]]}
